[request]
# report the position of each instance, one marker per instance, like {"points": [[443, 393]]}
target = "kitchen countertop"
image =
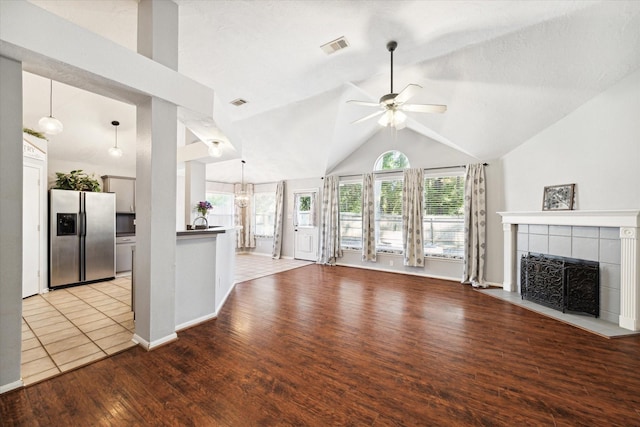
{"points": [[207, 231]]}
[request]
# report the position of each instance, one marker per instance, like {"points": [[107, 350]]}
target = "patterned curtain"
{"points": [[368, 219], [475, 219], [412, 195], [245, 237], [330, 249], [277, 226]]}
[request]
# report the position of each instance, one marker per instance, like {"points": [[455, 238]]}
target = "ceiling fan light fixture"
{"points": [[392, 103], [49, 124], [393, 118]]}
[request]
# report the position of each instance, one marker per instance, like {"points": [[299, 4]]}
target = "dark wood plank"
{"points": [[342, 346]]}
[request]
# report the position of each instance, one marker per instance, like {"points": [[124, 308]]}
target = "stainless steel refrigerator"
{"points": [[82, 237]]}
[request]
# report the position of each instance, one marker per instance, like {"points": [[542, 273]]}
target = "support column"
{"points": [[156, 167], [509, 279], [10, 223], [629, 279]]}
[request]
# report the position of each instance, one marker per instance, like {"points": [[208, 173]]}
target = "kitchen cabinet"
{"points": [[124, 253], [125, 189]]}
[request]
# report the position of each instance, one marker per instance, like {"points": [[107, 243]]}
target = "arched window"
{"points": [[388, 201], [391, 160]]}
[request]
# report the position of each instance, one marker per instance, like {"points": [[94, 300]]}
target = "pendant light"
{"points": [[115, 151], [242, 197], [49, 124]]}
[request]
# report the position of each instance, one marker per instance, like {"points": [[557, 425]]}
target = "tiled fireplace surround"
{"points": [[609, 237]]}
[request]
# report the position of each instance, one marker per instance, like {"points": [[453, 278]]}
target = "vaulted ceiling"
{"points": [[506, 70]]}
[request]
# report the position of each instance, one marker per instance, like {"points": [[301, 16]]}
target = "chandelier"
{"points": [[242, 197]]}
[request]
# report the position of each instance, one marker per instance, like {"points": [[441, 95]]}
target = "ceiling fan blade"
{"points": [[423, 108], [370, 116], [365, 103], [406, 93]]}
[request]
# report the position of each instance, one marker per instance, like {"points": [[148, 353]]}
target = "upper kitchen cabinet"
{"points": [[125, 189]]}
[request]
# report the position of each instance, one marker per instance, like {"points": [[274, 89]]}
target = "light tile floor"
{"points": [[253, 266], [67, 328]]}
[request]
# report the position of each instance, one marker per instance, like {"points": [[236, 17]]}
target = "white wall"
{"points": [[597, 147]]}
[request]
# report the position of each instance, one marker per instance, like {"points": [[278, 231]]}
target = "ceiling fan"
{"points": [[394, 104]]}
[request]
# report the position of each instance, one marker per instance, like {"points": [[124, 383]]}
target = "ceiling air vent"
{"points": [[335, 45], [238, 102]]}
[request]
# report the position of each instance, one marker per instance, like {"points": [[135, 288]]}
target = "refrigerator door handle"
{"points": [[83, 223]]}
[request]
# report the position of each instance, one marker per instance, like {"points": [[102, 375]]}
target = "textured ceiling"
{"points": [[506, 70]]}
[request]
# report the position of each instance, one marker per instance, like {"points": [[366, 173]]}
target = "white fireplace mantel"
{"points": [[620, 218], [628, 222]]}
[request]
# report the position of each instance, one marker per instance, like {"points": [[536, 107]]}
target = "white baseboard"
{"points": [[194, 322], [157, 343], [11, 386], [409, 273]]}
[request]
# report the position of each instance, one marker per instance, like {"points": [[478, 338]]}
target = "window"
{"points": [[305, 210], [443, 219], [264, 213], [391, 160], [222, 212], [388, 216], [351, 215], [444, 216]]}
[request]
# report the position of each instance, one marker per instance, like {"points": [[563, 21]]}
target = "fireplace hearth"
{"points": [[565, 284]]}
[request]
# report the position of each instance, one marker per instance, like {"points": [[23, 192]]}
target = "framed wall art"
{"points": [[558, 197]]}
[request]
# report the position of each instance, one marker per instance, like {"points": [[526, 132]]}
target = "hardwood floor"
{"points": [[324, 346]]}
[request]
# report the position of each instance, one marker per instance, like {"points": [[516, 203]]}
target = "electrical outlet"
{"points": [[391, 263]]}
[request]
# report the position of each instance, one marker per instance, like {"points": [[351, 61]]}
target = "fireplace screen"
{"points": [[566, 284]]}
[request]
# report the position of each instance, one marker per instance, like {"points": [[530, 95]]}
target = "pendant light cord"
{"points": [[50, 98]]}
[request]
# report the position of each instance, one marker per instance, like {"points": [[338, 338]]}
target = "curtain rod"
{"points": [[400, 170]]}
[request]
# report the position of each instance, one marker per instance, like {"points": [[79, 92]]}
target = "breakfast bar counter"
{"points": [[205, 264]]}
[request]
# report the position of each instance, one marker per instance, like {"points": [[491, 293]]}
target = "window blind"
{"points": [[444, 216], [351, 215]]}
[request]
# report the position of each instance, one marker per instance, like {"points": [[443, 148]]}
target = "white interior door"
{"points": [[305, 244], [31, 214]]}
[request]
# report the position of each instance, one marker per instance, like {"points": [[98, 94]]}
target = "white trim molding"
{"points": [[629, 279], [11, 386], [621, 218], [157, 343], [628, 221]]}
